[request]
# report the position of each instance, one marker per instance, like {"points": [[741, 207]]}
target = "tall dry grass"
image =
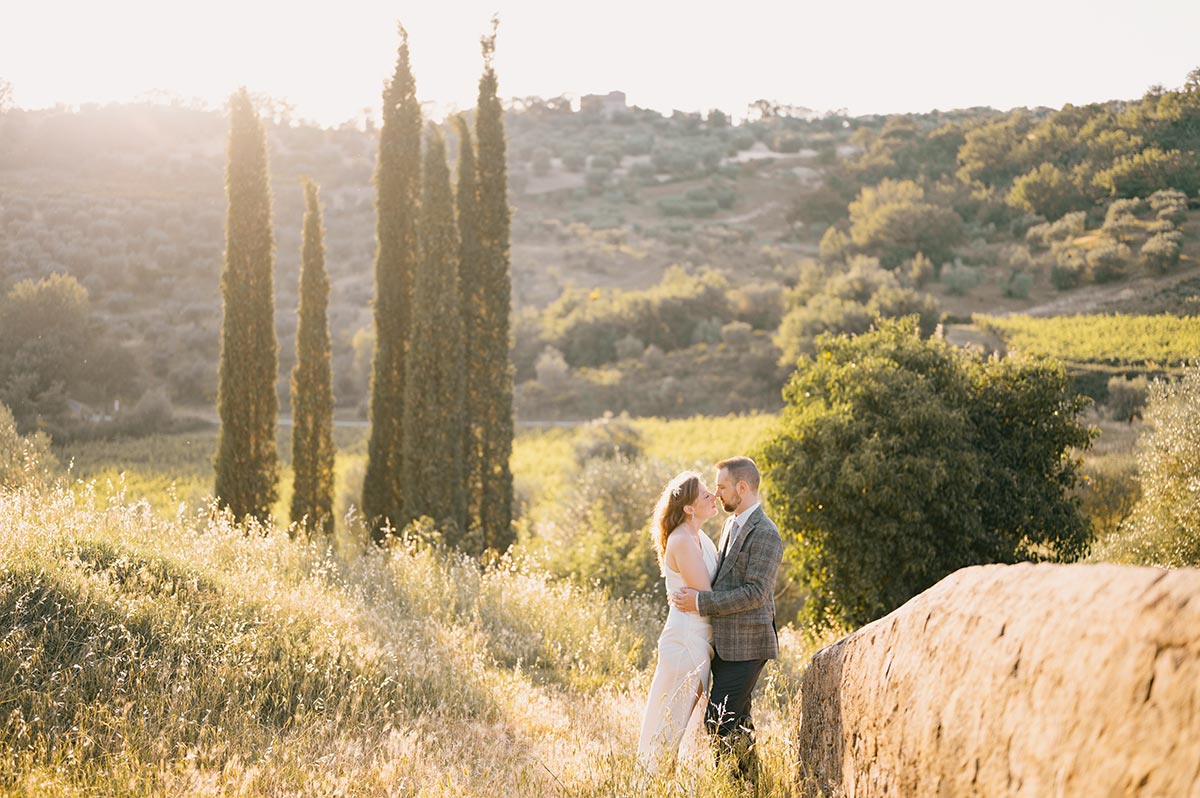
{"points": [[148, 653]]}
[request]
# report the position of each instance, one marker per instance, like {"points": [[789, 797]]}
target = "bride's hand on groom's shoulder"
{"points": [[684, 599]]}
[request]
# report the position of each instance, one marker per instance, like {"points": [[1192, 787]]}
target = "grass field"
{"points": [[168, 469], [150, 653]]}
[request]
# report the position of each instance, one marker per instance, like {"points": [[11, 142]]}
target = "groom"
{"points": [[741, 606]]}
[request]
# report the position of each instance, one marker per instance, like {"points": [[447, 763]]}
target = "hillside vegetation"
{"points": [[646, 247]]}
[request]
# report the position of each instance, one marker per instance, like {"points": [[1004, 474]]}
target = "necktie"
{"points": [[733, 530]]}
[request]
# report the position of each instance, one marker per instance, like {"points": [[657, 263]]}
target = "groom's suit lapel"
{"points": [[736, 546]]}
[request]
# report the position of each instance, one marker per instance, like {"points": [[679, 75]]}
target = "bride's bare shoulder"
{"points": [[680, 540]]}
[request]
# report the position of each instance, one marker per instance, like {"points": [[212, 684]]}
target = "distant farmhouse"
{"points": [[606, 104]]}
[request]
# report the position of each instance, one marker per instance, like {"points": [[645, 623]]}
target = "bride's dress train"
{"points": [[681, 676]]}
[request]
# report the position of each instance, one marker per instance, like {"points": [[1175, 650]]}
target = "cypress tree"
{"points": [[496, 281], [312, 381], [247, 403], [474, 313], [433, 436], [397, 176]]}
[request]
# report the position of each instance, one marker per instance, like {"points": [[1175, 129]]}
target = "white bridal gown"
{"points": [[681, 676]]}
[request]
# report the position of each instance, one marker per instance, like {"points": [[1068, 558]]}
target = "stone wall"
{"points": [[1045, 681]]}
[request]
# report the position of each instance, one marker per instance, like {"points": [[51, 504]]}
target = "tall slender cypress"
{"points": [[474, 315], [434, 419], [312, 381], [247, 462], [397, 183], [495, 277]]}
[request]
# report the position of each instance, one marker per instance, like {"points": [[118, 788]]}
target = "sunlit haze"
{"points": [[875, 56]]}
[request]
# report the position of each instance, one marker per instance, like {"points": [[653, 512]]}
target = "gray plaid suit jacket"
{"points": [[741, 604]]}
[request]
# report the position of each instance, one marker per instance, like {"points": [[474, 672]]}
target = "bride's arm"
{"points": [[684, 556]]}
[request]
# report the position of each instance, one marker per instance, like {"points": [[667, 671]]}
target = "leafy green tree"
{"points": [[849, 302], [247, 464], [54, 348], [435, 485], [988, 152], [892, 221], [474, 315], [1148, 171], [1047, 191], [312, 381], [397, 186], [493, 404], [899, 459]]}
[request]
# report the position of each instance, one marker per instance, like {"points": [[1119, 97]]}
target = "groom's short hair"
{"points": [[742, 469]]}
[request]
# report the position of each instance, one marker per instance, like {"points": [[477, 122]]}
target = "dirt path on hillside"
{"points": [[1093, 298], [754, 214]]}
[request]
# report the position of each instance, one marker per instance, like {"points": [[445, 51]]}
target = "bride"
{"points": [[688, 559]]}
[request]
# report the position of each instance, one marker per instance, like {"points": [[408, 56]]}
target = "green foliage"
{"points": [[1169, 205], [54, 348], [1070, 226], [473, 315], [715, 378], [490, 400], [247, 463], [1148, 171], [587, 327], [25, 460], [1164, 528], [1126, 397], [312, 381], [1106, 261], [1161, 252], [1113, 340], [899, 459], [849, 302], [1108, 492], [893, 222], [435, 478], [1120, 220], [599, 530], [986, 154], [608, 437], [1047, 191], [397, 186]]}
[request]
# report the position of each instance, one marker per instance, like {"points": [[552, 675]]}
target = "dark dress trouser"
{"points": [[728, 713]]}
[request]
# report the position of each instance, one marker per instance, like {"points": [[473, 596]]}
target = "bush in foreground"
{"points": [[899, 459]]}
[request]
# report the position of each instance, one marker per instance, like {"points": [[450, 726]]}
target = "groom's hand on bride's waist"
{"points": [[684, 599]]}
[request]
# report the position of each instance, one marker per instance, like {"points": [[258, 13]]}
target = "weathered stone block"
{"points": [[1039, 681]]}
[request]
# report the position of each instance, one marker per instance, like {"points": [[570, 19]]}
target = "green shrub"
{"points": [[960, 279], [1018, 285], [1108, 492], [1126, 397], [899, 459], [1161, 251], [1169, 205], [1068, 227], [1164, 529], [1107, 261], [607, 438], [598, 532]]}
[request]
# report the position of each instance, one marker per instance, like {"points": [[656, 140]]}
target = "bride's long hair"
{"points": [[681, 491]]}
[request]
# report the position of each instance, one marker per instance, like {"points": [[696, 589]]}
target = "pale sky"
{"points": [[872, 56]]}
